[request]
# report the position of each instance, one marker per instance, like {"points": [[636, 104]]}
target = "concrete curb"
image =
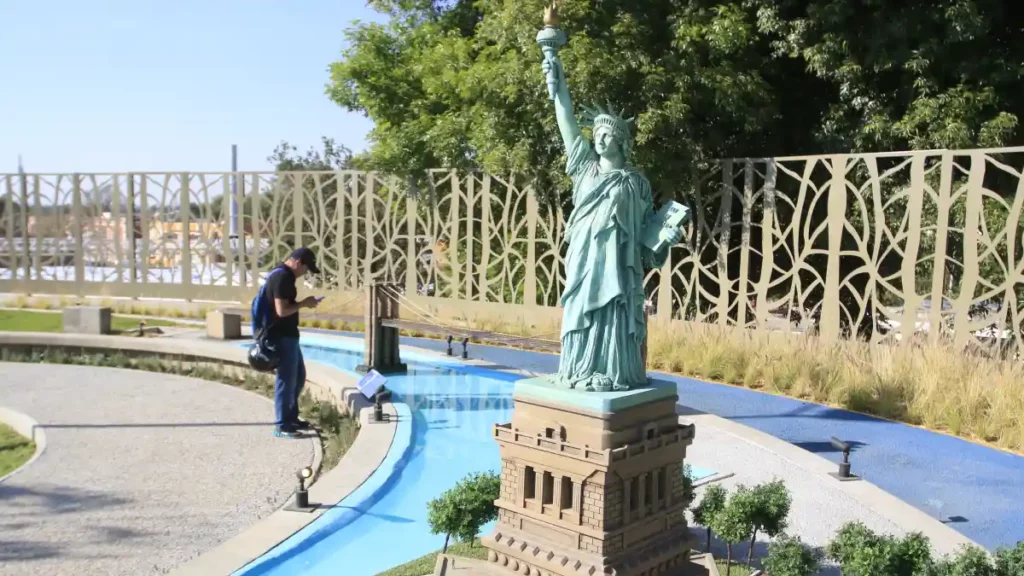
{"points": [[27, 427], [324, 382]]}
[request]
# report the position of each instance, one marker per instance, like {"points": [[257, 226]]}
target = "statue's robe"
{"points": [[603, 322]]}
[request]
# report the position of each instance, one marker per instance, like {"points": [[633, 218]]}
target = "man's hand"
{"points": [[309, 302]]}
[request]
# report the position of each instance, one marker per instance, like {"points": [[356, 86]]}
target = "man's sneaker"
{"points": [[302, 425], [286, 433]]}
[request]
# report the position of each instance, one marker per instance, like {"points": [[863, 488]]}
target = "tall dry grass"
{"points": [[931, 385], [935, 386]]}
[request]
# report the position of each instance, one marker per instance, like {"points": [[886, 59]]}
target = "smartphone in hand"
{"points": [[319, 299]]}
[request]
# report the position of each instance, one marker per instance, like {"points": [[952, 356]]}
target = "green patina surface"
{"points": [[548, 390], [614, 236]]}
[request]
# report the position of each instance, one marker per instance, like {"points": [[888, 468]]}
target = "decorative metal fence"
{"points": [[878, 245]]}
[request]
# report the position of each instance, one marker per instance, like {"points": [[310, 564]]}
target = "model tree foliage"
{"points": [[710, 505], [788, 556], [463, 509], [765, 507]]}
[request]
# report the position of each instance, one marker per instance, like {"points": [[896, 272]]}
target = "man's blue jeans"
{"points": [[291, 378]]}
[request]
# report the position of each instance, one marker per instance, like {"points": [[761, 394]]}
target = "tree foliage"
{"points": [[463, 509], [710, 505], [457, 83], [788, 556], [765, 507], [861, 552], [732, 524]]}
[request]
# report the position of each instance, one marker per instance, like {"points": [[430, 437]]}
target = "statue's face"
{"points": [[606, 145]]}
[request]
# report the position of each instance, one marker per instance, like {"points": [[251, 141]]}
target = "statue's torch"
{"points": [[551, 38]]}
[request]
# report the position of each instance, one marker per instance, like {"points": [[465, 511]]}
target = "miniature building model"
{"points": [[380, 343], [591, 490]]}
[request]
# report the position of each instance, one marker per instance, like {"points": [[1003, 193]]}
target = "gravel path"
{"points": [[142, 471]]}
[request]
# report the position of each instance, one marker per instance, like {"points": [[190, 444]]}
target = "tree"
{"points": [[732, 525], [788, 556], [334, 156], [861, 552], [1010, 561], [463, 509], [458, 84], [969, 561], [710, 505], [766, 507]]}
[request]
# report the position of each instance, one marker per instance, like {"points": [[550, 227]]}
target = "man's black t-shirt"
{"points": [[281, 285]]}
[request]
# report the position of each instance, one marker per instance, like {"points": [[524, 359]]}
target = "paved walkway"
{"points": [[971, 487], [142, 471]]}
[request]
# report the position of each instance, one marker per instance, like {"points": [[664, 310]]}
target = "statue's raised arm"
{"points": [[551, 39]]}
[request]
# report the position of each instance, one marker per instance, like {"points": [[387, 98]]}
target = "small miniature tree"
{"points": [[712, 502], [969, 561], [861, 552], [788, 556], [462, 510], [1010, 561], [731, 524], [767, 507]]}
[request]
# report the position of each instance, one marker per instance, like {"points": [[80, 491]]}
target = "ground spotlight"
{"points": [[301, 503], [844, 466]]}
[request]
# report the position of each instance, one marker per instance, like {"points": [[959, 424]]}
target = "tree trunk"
{"points": [[446, 537], [750, 552], [707, 544], [728, 558]]}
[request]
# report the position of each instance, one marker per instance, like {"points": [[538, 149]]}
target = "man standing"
{"points": [[284, 330]]}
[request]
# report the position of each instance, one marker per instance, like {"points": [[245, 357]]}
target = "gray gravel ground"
{"points": [[142, 471], [818, 509]]}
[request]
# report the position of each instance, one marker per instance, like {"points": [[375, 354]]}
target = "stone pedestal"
{"points": [[223, 325], [87, 320], [592, 483]]}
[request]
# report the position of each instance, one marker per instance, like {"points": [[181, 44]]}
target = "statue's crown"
{"points": [[599, 116]]}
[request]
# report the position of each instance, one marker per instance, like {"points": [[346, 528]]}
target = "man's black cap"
{"points": [[307, 257]]}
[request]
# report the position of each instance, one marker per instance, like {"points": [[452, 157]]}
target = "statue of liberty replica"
{"points": [[613, 236], [592, 483]]}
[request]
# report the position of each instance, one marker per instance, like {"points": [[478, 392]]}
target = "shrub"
{"points": [[710, 505], [970, 561], [788, 556], [462, 510], [1010, 561], [861, 552]]}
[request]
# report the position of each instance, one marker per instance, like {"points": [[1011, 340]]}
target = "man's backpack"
{"points": [[263, 355]]}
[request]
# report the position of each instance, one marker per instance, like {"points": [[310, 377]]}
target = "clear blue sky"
{"points": [[169, 85]]}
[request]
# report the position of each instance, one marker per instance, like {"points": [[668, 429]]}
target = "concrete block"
{"points": [[223, 325], [87, 320]]}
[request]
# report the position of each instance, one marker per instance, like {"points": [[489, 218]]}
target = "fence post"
{"points": [[830, 307], [186, 234], [135, 230], [530, 282], [411, 268], [725, 236], [78, 222], [27, 258]]}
